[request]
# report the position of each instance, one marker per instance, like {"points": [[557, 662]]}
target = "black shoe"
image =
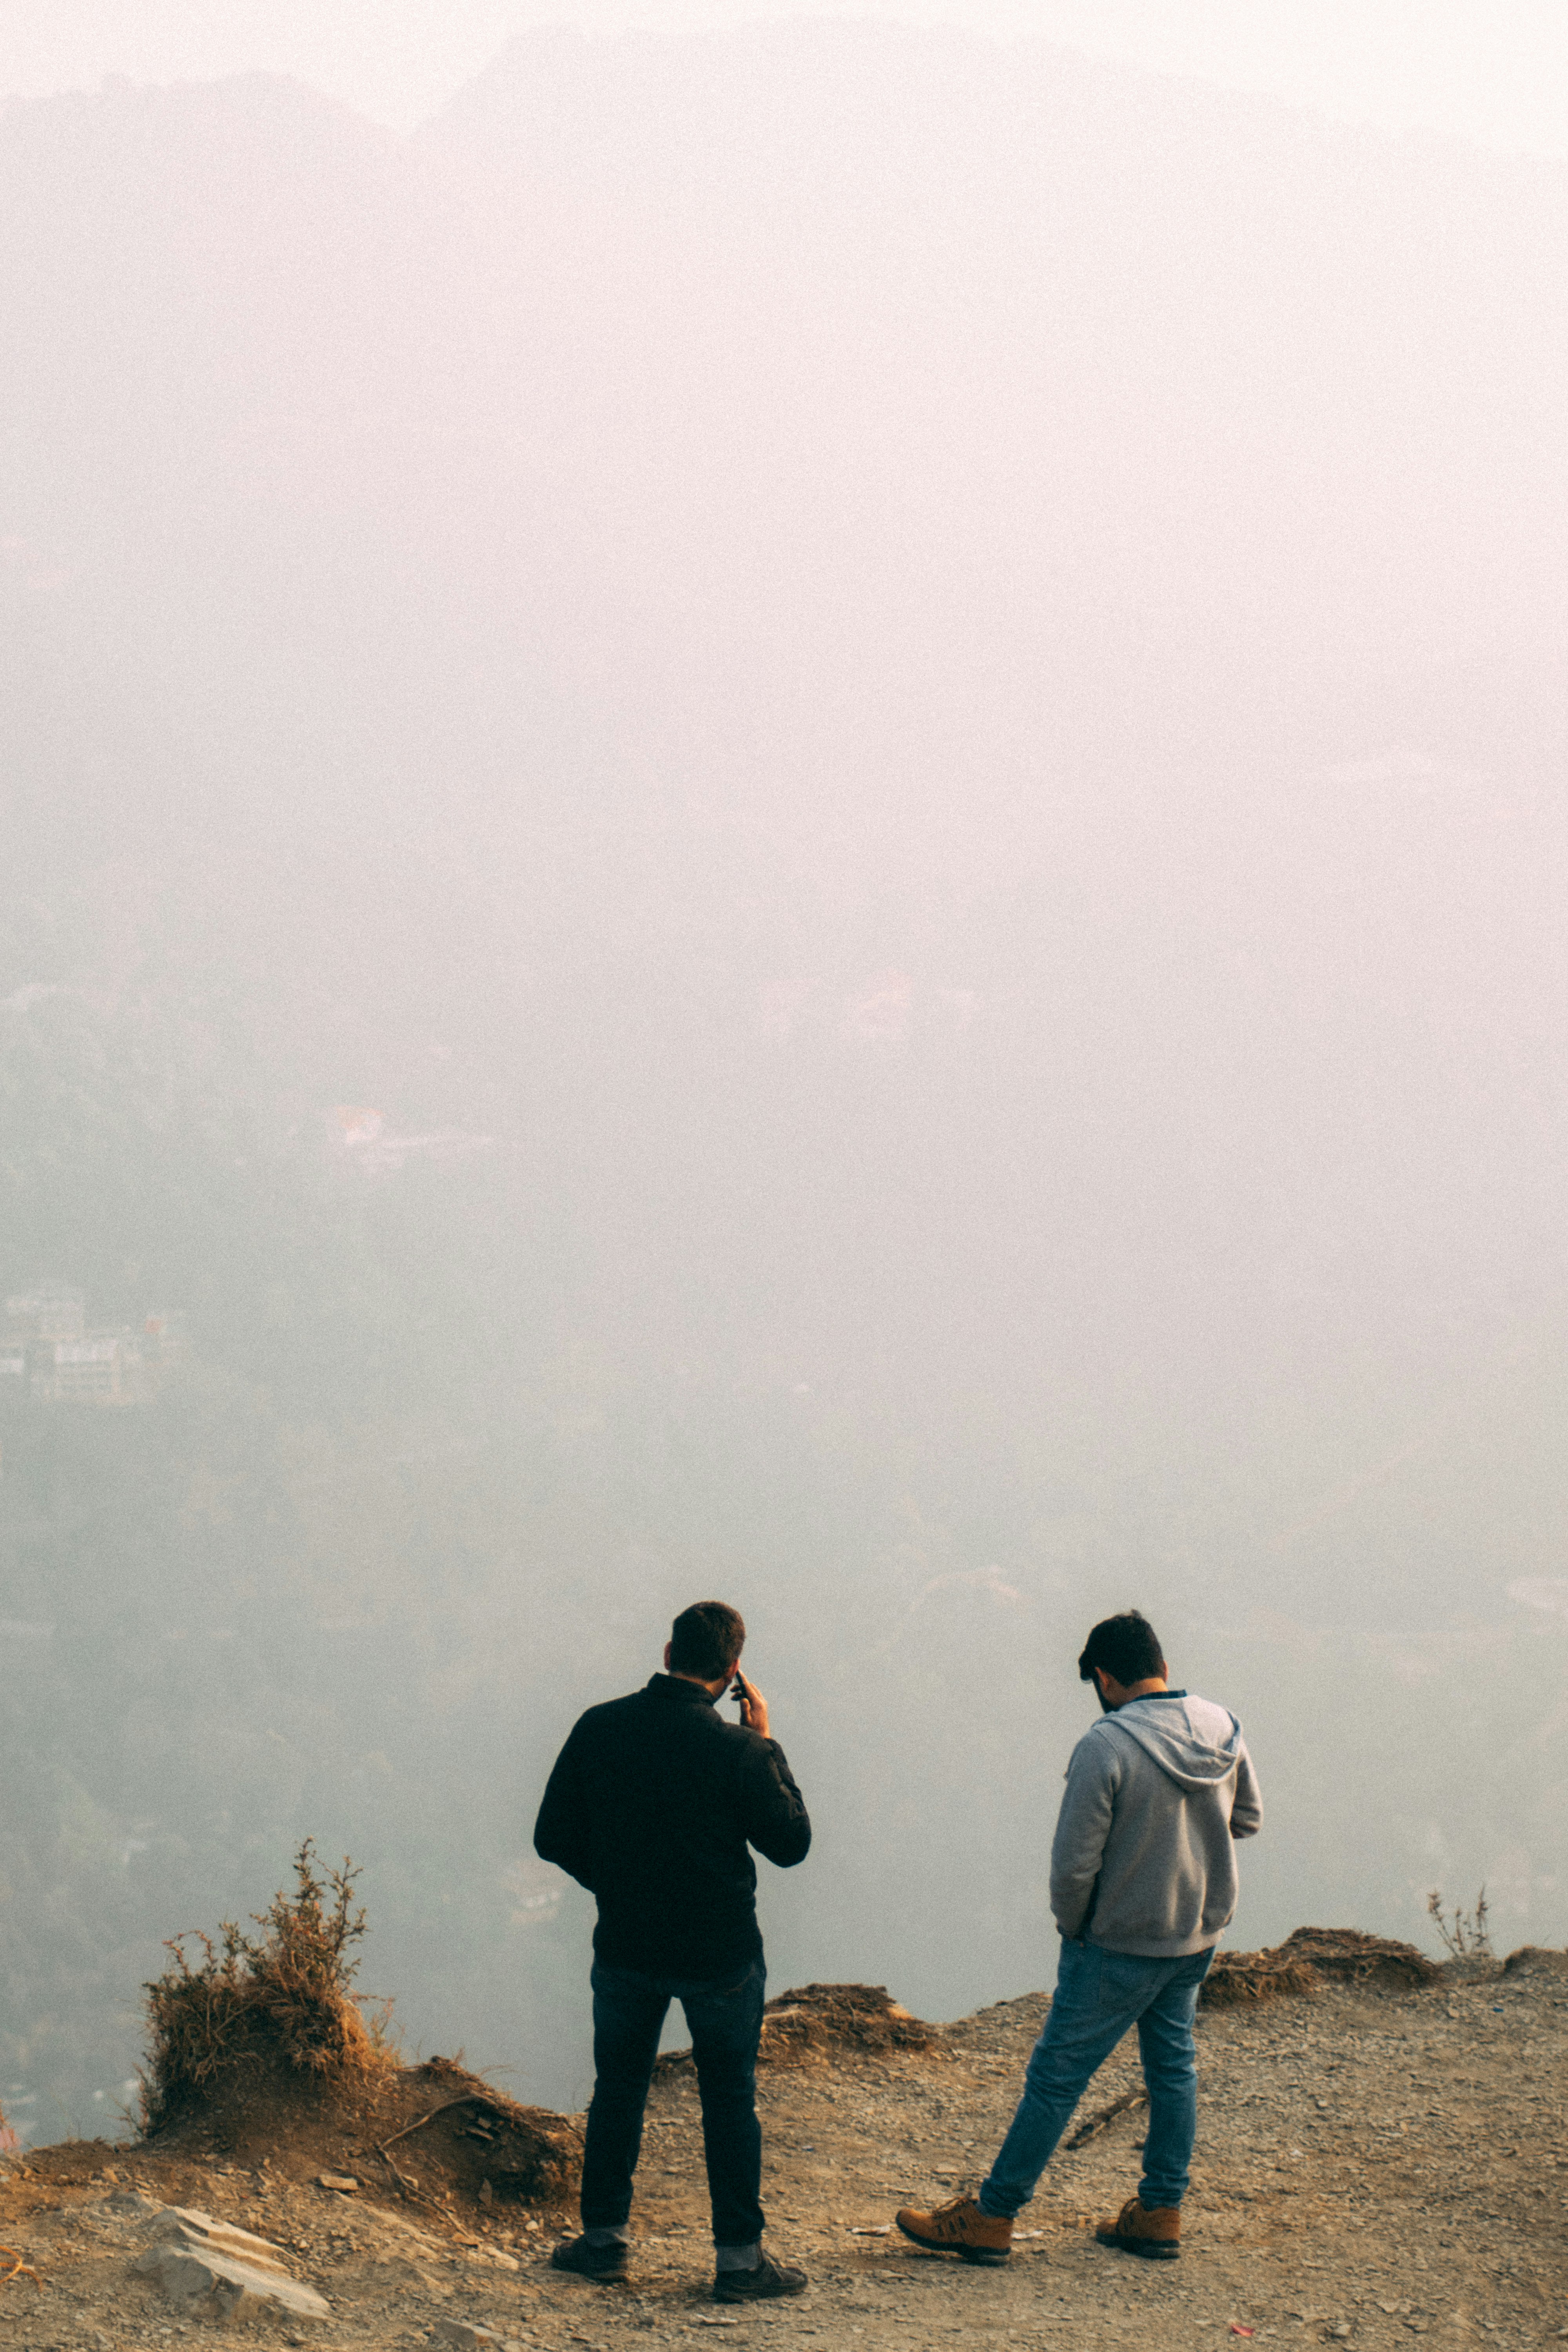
{"points": [[575, 2255], [749, 2286]]}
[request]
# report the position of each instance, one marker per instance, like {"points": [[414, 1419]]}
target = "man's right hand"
{"points": [[753, 1706]]}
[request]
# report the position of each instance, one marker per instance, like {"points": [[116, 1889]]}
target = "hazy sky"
{"points": [[1492, 69]]}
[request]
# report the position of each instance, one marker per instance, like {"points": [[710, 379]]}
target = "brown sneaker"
{"points": [[768, 2278], [586, 2261], [959, 2227], [1154, 2232]]}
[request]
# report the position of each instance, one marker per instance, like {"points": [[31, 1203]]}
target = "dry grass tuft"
{"points": [[274, 2003], [1466, 1934], [1239, 1979]]}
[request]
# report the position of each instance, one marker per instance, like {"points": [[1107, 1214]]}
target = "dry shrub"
{"points": [[1238, 1980], [259, 2051], [278, 2003], [1466, 1934], [1354, 1958]]}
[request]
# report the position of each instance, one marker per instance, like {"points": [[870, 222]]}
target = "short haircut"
{"points": [[706, 1640], [1127, 1648]]}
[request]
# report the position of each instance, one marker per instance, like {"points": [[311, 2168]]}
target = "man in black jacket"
{"points": [[652, 1805]]}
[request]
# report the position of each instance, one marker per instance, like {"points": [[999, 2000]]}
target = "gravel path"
{"points": [[1370, 2167]]}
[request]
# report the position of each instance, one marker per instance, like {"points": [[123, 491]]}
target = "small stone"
{"points": [[344, 2182], [460, 2333], [131, 2202], [487, 2194]]}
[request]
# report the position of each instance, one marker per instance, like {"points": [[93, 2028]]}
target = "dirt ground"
{"points": [[1372, 2166]]}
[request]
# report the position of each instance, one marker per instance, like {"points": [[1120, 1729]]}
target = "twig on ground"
{"points": [[469, 2099], [1104, 2116], [406, 2187], [19, 2269]]}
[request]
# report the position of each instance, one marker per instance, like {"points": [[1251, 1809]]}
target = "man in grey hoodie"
{"points": [[1143, 1882]]}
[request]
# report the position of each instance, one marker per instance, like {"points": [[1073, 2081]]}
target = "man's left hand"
{"points": [[753, 1706]]}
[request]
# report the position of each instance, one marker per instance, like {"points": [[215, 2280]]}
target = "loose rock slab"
{"points": [[210, 2270]]}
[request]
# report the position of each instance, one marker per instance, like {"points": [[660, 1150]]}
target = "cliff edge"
{"points": [[1376, 2161]]}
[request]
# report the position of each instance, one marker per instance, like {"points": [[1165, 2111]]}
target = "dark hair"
{"points": [[1127, 1648], [706, 1640]]}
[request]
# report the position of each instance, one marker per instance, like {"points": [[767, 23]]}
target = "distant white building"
{"points": [[50, 1312], [48, 1352], [100, 1368]]}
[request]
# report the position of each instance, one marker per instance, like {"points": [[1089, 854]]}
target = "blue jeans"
{"points": [[725, 2022], [1099, 1995]]}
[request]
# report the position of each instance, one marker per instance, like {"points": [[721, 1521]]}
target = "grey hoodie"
{"points": [[1156, 1794]]}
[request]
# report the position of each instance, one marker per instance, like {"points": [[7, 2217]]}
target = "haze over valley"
{"points": [[783, 818]]}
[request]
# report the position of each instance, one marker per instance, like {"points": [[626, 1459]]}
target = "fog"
{"points": [[784, 818]]}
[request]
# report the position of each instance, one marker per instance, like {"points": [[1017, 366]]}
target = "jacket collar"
{"points": [[676, 1688]]}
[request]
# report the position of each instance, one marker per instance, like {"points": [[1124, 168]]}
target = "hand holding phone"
{"points": [[753, 1706]]}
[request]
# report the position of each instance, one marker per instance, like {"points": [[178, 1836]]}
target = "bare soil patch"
{"points": [[433, 2135]]}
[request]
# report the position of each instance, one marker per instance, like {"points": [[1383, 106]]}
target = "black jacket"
{"points": [[652, 1804]]}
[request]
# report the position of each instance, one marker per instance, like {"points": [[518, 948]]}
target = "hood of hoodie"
{"points": [[1192, 1740]]}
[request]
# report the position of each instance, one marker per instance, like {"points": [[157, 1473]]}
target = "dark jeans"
{"points": [[1098, 1996], [725, 2022]]}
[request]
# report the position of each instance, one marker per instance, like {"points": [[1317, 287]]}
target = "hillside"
{"points": [[1371, 2166], [924, 680]]}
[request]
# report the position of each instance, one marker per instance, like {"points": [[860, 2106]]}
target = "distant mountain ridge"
{"points": [[1037, 413]]}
